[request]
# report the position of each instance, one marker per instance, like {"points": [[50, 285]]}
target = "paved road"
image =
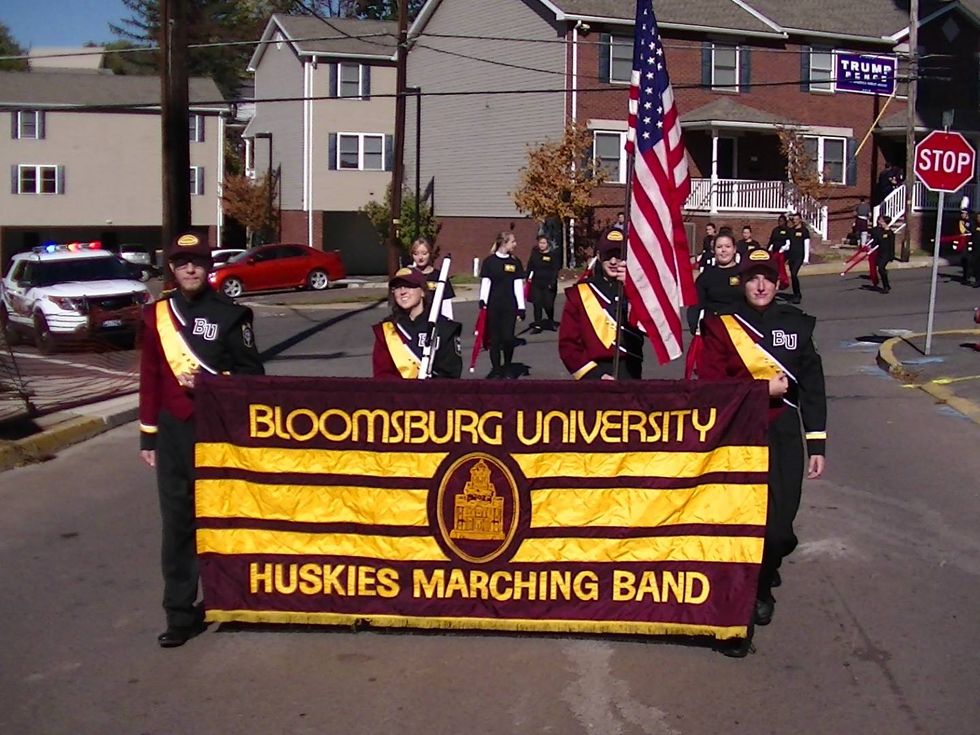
{"points": [[873, 630]]}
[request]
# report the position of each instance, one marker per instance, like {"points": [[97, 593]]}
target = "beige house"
{"points": [[324, 120], [83, 150]]}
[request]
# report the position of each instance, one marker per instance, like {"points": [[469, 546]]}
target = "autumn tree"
{"points": [[801, 168], [253, 204], [559, 179], [379, 215]]}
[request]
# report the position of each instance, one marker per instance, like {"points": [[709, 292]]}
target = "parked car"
{"points": [[278, 266], [58, 292], [141, 260], [220, 256]]}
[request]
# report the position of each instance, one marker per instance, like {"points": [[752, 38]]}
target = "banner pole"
{"points": [[626, 240]]}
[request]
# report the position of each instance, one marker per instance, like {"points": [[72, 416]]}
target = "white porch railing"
{"points": [[922, 198], [746, 195]]}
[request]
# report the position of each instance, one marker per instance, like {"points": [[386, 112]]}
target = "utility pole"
{"points": [[913, 73], [176, 161], [398, 164]]}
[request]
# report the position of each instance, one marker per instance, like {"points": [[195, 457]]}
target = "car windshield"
{"points": [[83, 269], [238, 257]]}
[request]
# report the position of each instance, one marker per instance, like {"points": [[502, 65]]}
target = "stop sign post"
{"points": [[944, 162]]}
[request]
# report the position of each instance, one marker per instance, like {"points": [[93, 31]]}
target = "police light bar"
{"points": [[53, 247]]}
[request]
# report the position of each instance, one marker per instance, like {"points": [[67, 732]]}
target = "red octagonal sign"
{"points": [[944, 161]]}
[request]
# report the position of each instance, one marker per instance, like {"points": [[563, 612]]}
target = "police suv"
{"points": [[69, 292]]}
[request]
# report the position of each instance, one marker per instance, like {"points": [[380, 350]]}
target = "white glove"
{"points": [[784, 248]]}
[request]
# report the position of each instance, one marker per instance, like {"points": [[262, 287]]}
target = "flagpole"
{"points": [[626, 247]]}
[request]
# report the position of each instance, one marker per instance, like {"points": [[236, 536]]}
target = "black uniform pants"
{"points": [[544, 301], [795, 262], [785, 489], [883, 274], [501, 319], [175, 484]]}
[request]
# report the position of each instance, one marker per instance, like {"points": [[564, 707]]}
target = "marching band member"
{"points": [[400, 340], [542, 269], [191, 330], [764, 340], [587, 335], [502, 293], [423, 258]]}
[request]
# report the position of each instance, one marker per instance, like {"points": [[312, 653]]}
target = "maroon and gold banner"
{"points": [[626, 507]]}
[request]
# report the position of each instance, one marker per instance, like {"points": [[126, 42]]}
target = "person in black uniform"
{"points": [[423, 258], [975, 249], [502, 294], [542, 269], [747, 242], [707, 245], [587, 335], [779, 235], [400, 340], [797, 253], [193, 330], [719, 286], [883, 238], [778, 339]]}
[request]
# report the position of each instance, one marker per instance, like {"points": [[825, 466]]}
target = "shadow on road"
{"points": [[281, 347]]}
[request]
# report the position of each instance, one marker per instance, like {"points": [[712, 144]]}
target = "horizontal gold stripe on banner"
{"points": [[631, 507], [231, 541], [311, 503], [728, 549], [625, 627], [319, 461], [644, 464]]}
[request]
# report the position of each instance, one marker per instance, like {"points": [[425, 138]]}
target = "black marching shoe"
{"points": [[735, 648], [177, 635], [763, 611], [776, 579]]}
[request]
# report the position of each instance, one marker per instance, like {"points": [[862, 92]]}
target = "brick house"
{"points": [[500, 75], [83, 150], [324, 118]]}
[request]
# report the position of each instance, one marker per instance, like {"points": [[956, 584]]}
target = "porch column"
{"points": [[713, 197]]}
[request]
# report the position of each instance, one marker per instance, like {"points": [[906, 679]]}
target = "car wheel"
{"points": [[10, 332], [232, 288], [43, 339], [318, 280]]}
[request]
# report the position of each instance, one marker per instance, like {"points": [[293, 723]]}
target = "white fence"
{"points": [[747, 195]]}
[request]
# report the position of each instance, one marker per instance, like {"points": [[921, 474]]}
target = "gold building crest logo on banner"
{"points": [[477, 508]]}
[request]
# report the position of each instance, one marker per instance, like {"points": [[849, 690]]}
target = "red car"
{"points": [[278, 266]]}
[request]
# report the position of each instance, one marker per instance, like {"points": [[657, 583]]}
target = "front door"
{"points": [[726, 158]]}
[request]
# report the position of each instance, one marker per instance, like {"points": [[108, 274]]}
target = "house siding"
{"points": [[278, 76], [473, 146]]}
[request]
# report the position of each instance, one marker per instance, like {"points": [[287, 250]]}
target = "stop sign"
{"points": [[944, 161]]}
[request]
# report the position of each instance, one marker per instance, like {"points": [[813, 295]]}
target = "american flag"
{"points": [[658, 272]]}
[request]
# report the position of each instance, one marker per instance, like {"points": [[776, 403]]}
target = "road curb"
{"points": [[888, 362], [45, 444]]}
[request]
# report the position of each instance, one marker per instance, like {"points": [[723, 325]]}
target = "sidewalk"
{"points": [[950, 373]]}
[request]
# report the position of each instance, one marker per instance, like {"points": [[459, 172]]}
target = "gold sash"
{"points": [[405, 360], [759, 363], [602, 322], [177, 352]]}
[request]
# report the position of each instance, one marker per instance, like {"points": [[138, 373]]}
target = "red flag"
{"points": [[659, 279]]}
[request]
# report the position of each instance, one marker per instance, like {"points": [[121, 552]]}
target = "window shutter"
{"points": [[744, 68], [389, 152], [40, 125], [14, 175], [332, 91], [13, 125], [366, 81], [850, 165], [605, 54], [202, 123], [60, 183], [706, 64], [332, 152], [804, 68], [200, 181]]}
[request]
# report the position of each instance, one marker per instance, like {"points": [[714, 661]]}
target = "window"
{"points": [[27, 125], [360, 152], [724, 67], [197, 181], [821, 70], [609, 155], [349, 77], [31, 179], [828, 156], [620, 59], [196, 128]]}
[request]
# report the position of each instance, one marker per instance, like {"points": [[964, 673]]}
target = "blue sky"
{"points": [[35, 23]]}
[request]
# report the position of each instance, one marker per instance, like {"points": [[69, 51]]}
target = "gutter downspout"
{"points": [[570, 256], [307, 144], [220, 178]]}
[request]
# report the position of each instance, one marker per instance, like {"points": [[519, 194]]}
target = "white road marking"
{"points": [[67, 363]]}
